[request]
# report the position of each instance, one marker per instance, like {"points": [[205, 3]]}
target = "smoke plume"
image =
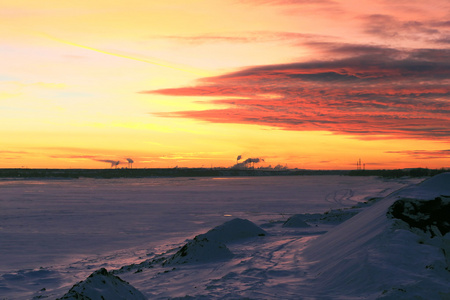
{"points": [[249, 162], [113, 163], [253, 160]]}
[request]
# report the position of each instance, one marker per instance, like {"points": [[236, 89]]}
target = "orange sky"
{"points": [[312, 84]]}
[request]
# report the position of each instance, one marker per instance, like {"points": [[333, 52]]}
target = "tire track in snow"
{"points": [[340, 196]]}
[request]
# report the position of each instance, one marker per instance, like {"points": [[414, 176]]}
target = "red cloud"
{"points": [[381, 92]]}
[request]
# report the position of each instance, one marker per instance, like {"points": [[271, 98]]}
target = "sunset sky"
{"points": [[314, 84]]}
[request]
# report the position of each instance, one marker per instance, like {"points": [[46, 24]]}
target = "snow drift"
{"points": [[374, 254], [439, 184]]}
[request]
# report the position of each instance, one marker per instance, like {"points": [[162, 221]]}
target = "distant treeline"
{"points": [[204, 172], [397, 173], [142, 173]]}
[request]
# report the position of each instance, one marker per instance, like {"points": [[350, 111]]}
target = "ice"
{"points": [[49, 222], [55, 233]]}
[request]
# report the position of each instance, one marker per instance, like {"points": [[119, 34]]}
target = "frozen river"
{"points": [[57, 223]]}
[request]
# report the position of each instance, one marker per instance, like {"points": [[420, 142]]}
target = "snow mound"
{"points": [[210, 246], [200, 250], [103, 285], [296, 221], [232, 231]]}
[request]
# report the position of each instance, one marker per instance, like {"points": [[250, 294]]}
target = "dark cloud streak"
{"points": [[425, 154]]}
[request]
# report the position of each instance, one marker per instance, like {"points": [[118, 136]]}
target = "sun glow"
{"points": [[307, 84]]}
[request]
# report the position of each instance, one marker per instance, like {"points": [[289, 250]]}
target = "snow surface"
{"points": [[55, 233]]}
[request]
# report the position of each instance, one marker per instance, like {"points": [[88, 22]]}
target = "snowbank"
{"points": [[371, 255], [435, 186], [438, 184], [103, 285]]}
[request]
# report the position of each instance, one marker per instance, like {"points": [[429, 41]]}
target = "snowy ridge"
{"points": [[370, 255], [438, 185]]}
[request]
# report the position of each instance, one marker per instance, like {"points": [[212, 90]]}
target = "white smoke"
{"points": [[249, 162]]}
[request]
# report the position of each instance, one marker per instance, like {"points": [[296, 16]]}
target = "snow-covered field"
{"points": [[298, 237]]}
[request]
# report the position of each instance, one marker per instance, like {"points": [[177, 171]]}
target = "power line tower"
{"points": [[359, 165]]}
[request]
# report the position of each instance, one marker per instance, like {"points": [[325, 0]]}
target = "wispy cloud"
{"points": [[390, 27], [156, 62], [368, 91], [12, 152], [288, 2], [425, 154], [294, 7], [98, 157], [244, 37]]}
